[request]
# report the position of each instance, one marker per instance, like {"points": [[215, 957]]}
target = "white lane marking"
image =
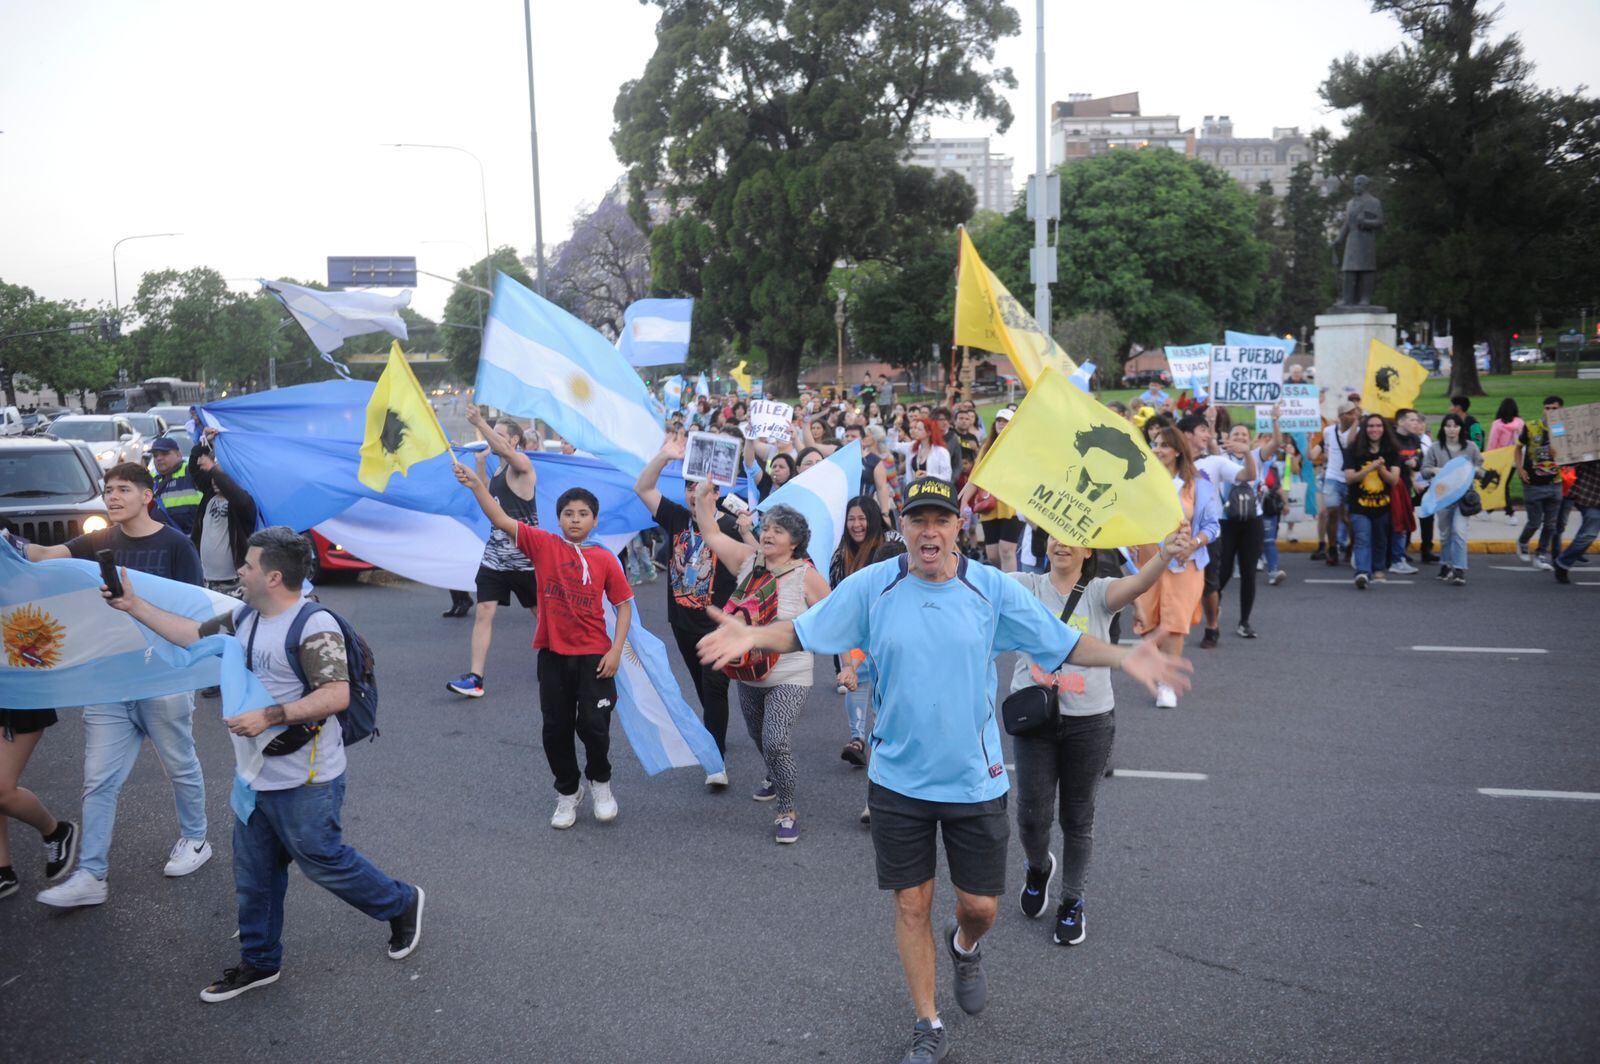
{"points": [[1480, 650], [1350, 582], [1518, 568], [1144, 774], [1578, 796]]}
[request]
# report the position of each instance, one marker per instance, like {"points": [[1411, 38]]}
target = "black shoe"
{"points": [[1458, 577], [1428, 557], [972, 986], [1244, 631], [1036, 888], [929, 1044], [405, 930], [60, 850], [1069, 923], [1361, 581], [855, 752], [236, 981], [455, 611], [1561, 575], [1209, 640], [1319, 554], [1444, 573], [9, 884], [1333, 556], [210, 692]]}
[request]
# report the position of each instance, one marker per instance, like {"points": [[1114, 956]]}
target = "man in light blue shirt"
{"points": [[932, 623]]}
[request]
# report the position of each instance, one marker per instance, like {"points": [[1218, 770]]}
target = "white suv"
{"points": [[112, 438]]}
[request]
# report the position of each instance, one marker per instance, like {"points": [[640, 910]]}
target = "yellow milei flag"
{"points": [[1393, 381], [1495, 477], [402, 428], [989, 318], [1078, 471]]}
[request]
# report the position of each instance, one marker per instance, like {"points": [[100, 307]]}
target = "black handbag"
{"points": [[1036, 708]]}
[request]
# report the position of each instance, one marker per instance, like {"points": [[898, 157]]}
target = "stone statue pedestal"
{"points": [[1342, 339]]}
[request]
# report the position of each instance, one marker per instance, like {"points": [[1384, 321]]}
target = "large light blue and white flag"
{"points": [[331, 318], [672, 393], [655, 332], [661, 727], [539, 361], [822, 494]]}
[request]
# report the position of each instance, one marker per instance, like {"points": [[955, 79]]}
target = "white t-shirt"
{"points": [[321, 759], [1331, 450], [1220, 469]]}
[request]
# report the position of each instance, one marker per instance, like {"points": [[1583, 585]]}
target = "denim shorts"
{"points": [[1334, 492], [905, 841]]}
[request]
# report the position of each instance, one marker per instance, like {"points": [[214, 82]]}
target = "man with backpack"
{"points": [[318, 668]]}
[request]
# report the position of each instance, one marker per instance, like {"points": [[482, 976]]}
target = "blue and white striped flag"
{"points": [[702, 386], [663, 731], [655, 332], [539, 361], [822, 494], [1082, 375]]}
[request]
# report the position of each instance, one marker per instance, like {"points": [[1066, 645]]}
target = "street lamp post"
{"points": [[116, 291], [483, 196], [533, 138], [838, 319]]}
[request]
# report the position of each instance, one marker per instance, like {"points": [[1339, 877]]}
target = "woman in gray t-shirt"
{"points": [[1067, 761]]}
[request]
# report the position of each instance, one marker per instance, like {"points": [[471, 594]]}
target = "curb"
{"points": [[1482, 546]]}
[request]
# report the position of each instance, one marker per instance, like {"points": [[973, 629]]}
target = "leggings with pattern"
{"points": [[769, 715]]}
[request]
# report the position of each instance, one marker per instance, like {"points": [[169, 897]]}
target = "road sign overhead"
{"points": [[372, 271]]}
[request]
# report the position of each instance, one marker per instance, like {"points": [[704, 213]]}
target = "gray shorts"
{"points": [[905, 840]]}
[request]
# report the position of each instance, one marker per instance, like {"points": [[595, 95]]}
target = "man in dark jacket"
{"points": [[224, 521]]}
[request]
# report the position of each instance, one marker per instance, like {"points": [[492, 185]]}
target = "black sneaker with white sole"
{"points": [[405, 930], [9, 884], [60, 850], [1036, 883], [236, 981], [1069, 922]]}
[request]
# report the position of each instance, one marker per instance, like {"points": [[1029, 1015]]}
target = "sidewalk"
{"points": [[1486, 534]]}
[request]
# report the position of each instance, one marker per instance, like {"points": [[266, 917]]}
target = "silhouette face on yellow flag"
{"points": [[1078, 471], [1393, 380], [402, 428], [989, 318], [1495, 477]]}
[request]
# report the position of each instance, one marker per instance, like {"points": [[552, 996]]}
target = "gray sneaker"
{"points": [[972, 986], [928, 1044]]}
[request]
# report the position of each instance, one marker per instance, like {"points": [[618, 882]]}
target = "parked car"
{"points": [[12, 422], [49, 489], [1526, 354], [331, 558], [112, 438], [174, 416], [148, 425]]}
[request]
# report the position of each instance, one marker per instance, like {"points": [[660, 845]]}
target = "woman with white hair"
{"points": [[773, 688]]}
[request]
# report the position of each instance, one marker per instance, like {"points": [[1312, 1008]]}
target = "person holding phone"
{"points": [[115, 732]]}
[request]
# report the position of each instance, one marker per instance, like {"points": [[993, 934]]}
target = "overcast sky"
{"points": [[254, 130]]}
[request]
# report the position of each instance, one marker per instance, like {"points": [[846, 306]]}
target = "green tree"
{"points": [[60, 360], [900, 310], [1307, 287], [1093, 336], [1488, 182], [1275, 236], [776, 132], [460, 331], [191, 326]]}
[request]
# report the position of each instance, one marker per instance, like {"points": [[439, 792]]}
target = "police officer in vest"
{"points": [[175, 489]]}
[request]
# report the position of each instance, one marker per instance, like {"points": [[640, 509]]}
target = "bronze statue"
{"points": [[1363, 217]]}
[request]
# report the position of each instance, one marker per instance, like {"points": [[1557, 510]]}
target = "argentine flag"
{"points": [[663, 731], [822, 494], [539, 361], [655, 332]]}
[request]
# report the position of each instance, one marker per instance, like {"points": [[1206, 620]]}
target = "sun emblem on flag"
{"points": [[32, 638], [581, 390], [631, 654]]}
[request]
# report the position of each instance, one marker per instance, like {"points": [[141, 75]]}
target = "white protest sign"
{"points": [[1190, 366], [711, 456], [770, 420], [1299, 411], [1241, 376]]}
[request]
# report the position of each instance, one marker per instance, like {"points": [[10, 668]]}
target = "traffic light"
{"points": [[1516, 336]]}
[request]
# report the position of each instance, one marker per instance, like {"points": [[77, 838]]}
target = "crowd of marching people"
{"points": [[904, 618]]}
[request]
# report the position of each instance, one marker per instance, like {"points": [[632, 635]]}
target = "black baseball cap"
{"points": [[931, 491]]}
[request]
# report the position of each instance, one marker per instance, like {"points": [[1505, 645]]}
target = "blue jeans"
{"points": [[1373, 533], [113, 734], [1452, 537], [1269, 542], [301, 825], [1588, 528], [855, 709]]}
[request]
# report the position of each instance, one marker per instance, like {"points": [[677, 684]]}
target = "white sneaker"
{"points": [[1541, 562], [81, 888], [717, 780], [566, 813], [605, 803], [1277, 578], [1166, 697], [1403, 568], [1522, 554], [187, 856]]}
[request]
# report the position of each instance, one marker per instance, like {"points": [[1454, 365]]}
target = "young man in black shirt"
{"points": [[696, 579], [115, 732]]}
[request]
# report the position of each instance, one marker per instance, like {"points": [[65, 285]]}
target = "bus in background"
{"points": [[122, 401], [170, 391]]}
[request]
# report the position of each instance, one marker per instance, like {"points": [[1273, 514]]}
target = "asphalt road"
{"points": [[1335, 888]]}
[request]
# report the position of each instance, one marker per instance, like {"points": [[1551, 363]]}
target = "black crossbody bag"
{"points": [[1035, 708]]}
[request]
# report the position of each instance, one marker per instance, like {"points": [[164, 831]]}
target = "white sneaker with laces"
{"points": [[1522, 554], [1541, 562], [81, 888], [717, 780], [187, 856], [1403, 568], [605, 803], [566, 813], [1166, 697]]}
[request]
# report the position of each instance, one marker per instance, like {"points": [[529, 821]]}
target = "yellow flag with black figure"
{"points": [[402, 428], [1495, 477], [1393, 380], [1078, 471], [989, 318]]}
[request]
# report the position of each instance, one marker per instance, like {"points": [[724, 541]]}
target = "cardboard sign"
{"points": [[771, 421], [712, 456], [1243, 376], [1190, 366], [1298, 411], [1575, 433]]}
